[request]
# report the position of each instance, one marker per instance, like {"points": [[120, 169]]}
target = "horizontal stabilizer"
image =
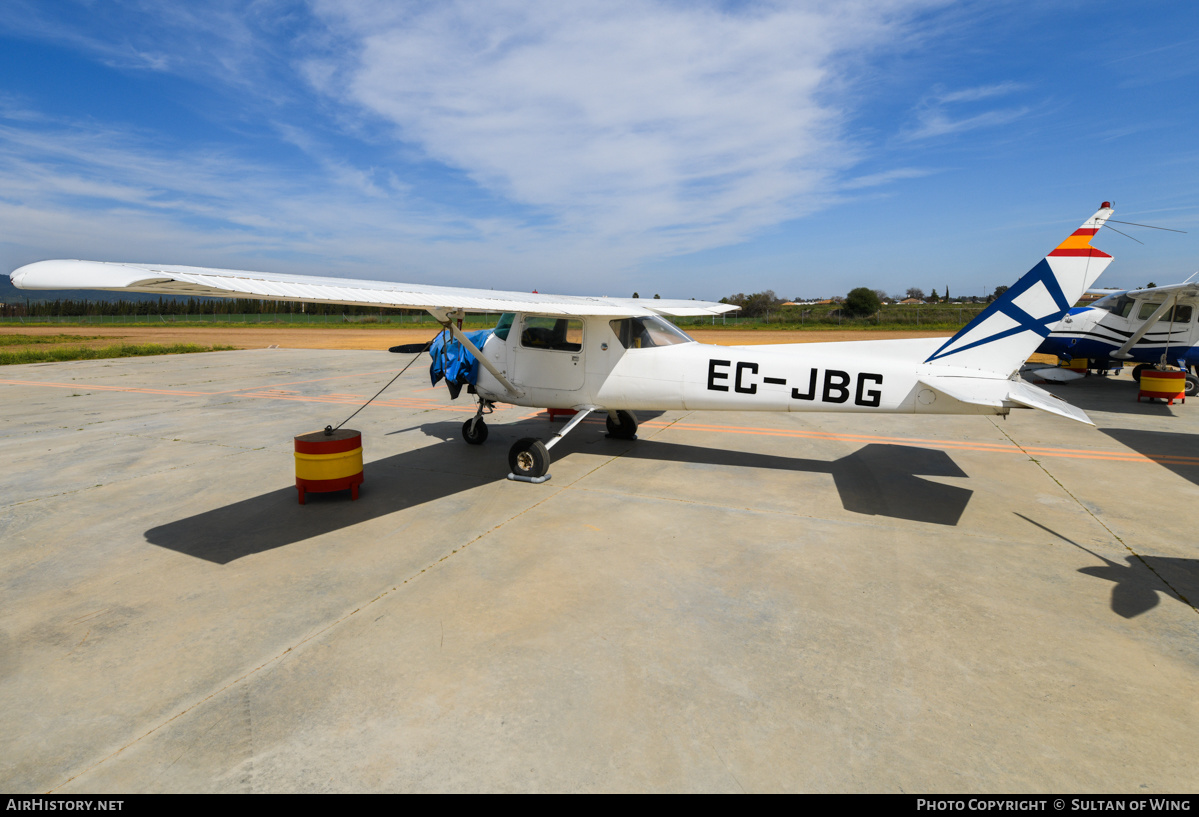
{"points": [[1030, 396], [1055, 374], [981, 391]]}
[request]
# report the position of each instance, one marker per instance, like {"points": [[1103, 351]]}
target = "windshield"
{"points": [[643, 333], [504, 325], [1118, 304]]}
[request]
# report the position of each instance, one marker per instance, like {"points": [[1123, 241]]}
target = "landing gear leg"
{"points": [[529, 458], [622, 425], [474, 430]]}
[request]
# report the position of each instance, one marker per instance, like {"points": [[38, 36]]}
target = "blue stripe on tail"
{"points": [[1042, 273]]}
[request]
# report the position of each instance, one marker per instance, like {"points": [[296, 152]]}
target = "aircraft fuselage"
{"points": [[600, 371]]}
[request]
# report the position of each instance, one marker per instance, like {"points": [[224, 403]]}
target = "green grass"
{"points": [[127, 322], [29, 340], [927, 317], [298, 321], [62, 353]]}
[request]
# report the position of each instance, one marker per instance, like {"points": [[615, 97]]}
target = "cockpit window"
{"points": [[643, 333], [1118, 304], [504, 324], [556, 334]]}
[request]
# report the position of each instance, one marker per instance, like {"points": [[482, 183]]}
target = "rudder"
{"points": [[1001, 339]]}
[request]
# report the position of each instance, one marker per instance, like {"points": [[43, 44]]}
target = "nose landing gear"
{"points": [[474, 430]]}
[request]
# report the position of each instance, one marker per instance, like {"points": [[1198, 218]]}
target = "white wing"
{"points": [[1187, 289], [206, 282]]}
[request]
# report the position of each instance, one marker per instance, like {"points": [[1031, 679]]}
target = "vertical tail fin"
{"points": [[1013, 326]]}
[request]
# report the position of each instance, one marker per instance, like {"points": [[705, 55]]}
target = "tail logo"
{"points": [[1039, 290]]}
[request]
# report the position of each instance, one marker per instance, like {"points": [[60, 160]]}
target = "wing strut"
{"points": [[446, 318], [1122, 353]]}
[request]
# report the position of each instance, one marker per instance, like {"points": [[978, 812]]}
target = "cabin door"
{"points": [[549, 353]]}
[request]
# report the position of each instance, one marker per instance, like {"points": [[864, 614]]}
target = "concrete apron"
{"points": [[754, 602]]}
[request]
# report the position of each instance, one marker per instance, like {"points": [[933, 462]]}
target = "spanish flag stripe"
{"points": [[328, 446], [340, 455]]}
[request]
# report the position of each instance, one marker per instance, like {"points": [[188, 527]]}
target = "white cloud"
{"points": [[936, 115], [602, 135], [885, 177], [675, 126], [980, 92], [75, 189]]}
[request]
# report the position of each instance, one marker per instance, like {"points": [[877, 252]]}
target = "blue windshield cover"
{"points": [[453, 361]]}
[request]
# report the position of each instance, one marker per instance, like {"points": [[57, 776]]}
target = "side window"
{"points": [[643, 333], [628, 332], [1181, 313], [555, 334]]}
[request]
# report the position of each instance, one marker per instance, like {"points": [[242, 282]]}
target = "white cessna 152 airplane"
{"points": [[618, 355]]}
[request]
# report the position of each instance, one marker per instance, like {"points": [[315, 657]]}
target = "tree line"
{"points": [[860, 301], [70, 307]]}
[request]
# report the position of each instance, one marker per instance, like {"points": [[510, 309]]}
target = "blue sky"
{"points": [[691, 149]]}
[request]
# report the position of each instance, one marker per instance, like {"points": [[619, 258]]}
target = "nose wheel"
{"points": [[474, 431]]}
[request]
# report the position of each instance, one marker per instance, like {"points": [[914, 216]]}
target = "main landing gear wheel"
{"points": [[624, 427], [529, 458], [478, 434], [1136, 370], [1192, 386]]}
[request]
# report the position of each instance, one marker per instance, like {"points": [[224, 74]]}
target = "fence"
{"points": [[298, 319], [904, 316]]}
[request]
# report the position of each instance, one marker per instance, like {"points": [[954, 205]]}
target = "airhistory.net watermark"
{"points": [[61, 804]]}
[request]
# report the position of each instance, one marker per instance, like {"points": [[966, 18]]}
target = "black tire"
{"points": [[624, 427], [529, 458], [478, 436], [1192, 386], [1136, 370]]}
